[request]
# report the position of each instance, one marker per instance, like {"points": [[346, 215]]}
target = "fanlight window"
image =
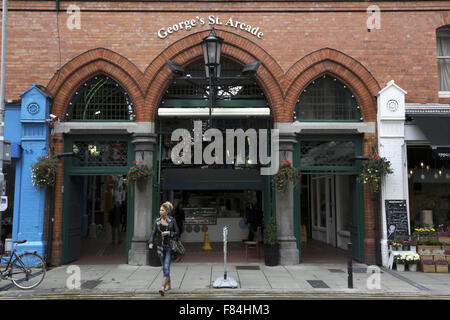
{"points": [[327, 99], [101, 98]]}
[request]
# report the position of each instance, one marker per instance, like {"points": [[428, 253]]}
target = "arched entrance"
{"points": [[97, 205], [329, 202], [215, 194]]}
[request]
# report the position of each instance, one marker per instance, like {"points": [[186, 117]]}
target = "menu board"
{"points": [[396, 217]]}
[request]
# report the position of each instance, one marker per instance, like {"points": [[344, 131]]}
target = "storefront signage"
{"points": [[396, 217], [211, 20]]}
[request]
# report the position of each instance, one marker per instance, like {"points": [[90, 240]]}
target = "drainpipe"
{"points": [[2, 101]]}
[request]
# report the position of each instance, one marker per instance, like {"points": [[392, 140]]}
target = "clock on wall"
{"points": [[33, 108], [392, 105]]}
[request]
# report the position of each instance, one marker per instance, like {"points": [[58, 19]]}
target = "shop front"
{"points": [[214, 194]]}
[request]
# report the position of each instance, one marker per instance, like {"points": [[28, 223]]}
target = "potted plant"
{"points": [[374, 171], [43, 172], [397, 246], [400, 262], [285, 175], [412, 245], [428, 266], [411, 260], [271, 253], [139, 173], [441, 266]]}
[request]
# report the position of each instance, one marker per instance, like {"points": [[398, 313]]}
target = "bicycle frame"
{"points": [[8, 265]]}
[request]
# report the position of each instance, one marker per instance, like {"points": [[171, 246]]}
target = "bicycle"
{"points": [[26, 271]]}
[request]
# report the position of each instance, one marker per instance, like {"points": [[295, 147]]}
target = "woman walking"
{"points": [[166, 228]]}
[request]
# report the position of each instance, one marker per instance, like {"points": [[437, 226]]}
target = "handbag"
{"points": [[177, 249]]}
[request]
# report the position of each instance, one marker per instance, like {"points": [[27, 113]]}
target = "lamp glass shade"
{"points": [[212, 46]]}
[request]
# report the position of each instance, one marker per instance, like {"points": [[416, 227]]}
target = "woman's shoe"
{"points": [[167, 286], [163, 287]]}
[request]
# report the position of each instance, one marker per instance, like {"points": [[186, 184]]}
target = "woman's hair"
{"points": [[168, 207]]}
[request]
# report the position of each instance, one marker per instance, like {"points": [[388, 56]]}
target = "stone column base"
{"points": [[138, 254], [289, 253]]}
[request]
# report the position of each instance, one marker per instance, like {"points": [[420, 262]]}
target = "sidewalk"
{"points": [[254, 280]]}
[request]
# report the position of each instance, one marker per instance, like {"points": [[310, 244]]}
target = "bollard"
{"points": [[350, 266]]}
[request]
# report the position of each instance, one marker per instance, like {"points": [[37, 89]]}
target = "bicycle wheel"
{"points": [[28, 271]]}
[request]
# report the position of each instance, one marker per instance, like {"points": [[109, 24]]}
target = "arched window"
{"points": [[101, 98], [327, 99], [443, 59]]}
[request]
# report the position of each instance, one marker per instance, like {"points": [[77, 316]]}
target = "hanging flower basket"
{"points": [[374, 171], [139, 173], [43, 172], [285, 175]]}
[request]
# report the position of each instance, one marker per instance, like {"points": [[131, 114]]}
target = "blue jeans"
{"points": [[165, 262]]}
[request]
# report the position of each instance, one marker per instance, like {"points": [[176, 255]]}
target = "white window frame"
{"points": [[443, 94]]}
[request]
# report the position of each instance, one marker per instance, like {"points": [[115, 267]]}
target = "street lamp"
{"points": [[212, 49]]}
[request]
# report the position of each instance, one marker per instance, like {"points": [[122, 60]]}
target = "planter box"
{"points": [[444, 239], [422, 249], [438, 251], [426, 257], [442, 269], [437, 257], [271, 255], [428, 268]]}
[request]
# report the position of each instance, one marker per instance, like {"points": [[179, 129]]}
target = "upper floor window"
{"points": [[443, 59], [101, 98], [327, 99]]}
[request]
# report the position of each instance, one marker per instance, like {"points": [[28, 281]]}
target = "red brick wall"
{"points": [[404, 49], [301, 41]]}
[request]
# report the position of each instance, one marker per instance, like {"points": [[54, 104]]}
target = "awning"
{"points": [[437, 130]]}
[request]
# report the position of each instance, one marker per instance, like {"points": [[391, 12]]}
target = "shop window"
{"points": [[101, 98], [443, 60], [327, 99]]}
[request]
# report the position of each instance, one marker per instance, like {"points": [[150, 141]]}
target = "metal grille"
{"points": [[101, 98], [227, 91], [327, 153], [100, 153], [327, 99]]}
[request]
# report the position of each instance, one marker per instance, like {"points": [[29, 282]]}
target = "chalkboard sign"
{"points": [[396, 217]]}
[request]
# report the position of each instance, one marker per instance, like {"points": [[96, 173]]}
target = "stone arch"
{"points": [[188, 50], [89, 64], [336, 64]]}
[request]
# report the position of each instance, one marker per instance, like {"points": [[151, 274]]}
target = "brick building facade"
{"points": [[299, 42]]}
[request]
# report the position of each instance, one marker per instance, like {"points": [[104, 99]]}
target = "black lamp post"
{"points": [[212, 48]]}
